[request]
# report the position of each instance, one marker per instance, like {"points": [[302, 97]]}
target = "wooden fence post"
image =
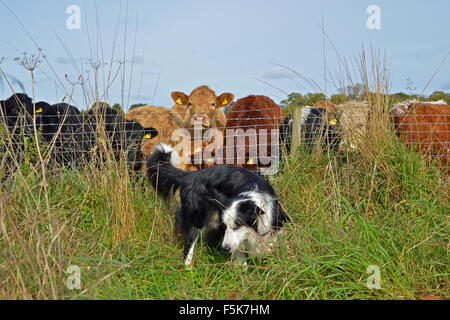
{"points": [[296, 128]]}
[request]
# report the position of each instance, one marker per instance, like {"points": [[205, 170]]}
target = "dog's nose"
{"points": [[226, 248]]}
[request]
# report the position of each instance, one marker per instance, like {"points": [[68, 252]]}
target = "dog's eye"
{"points": [[236, 228]]}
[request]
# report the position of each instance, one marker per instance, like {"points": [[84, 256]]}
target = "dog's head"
{"points": [[252, 223]]}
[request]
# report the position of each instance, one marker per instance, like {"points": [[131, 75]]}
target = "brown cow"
{"points": [[160, 118], [424, 127], [180, 111], [202, 107], [192, 156], [333, 113], [201, 110], [264, 116]]}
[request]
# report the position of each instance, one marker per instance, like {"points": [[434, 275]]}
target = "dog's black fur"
{"points": [[205, 193]]}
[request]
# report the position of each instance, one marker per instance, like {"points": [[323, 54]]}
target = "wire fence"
{"points": [[257, 138]]}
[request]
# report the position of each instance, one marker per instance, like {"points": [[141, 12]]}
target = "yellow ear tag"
{"points": [[39, 110], [148, 136], [210, 160], [198, 150], [179, 101], [225, 102], [333, 122], [250, 161], [152, 152]]}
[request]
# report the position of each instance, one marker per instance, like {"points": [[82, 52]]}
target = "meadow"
{"points": [[382, 205], [379, 205]]}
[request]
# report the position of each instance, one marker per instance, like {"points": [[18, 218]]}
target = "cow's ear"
{"points": [[150, 133], [180, 98], [42, 107], [224, 99]]}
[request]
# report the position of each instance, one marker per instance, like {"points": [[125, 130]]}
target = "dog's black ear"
{"points": [[248, 212]]}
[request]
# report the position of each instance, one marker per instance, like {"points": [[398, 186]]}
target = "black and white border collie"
{"points": [[233, 206]]}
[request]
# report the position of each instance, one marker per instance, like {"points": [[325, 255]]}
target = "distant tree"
{"points": [[137, 105], [438, 95], [338, 98], [294, 99], [98, 104], [399, 97], [353, 92], [356, 92], [117, 107], [312, 98]]}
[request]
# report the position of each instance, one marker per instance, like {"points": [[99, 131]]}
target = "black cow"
{"points": [[122, 135], [72, 136], [314, 128], [61, 126], [16, 112], [16, 121]]}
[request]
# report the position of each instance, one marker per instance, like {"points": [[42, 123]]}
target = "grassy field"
{"points": [[382, 206]]}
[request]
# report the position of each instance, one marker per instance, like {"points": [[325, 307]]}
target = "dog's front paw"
{"points": [[243, 265], [239, 259]]}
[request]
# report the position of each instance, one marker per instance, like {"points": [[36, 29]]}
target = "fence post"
{"points": [[296, 128]]}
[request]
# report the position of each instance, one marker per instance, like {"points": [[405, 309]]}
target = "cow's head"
{"points": [[136, 136], [17, 110], [46, 119], [201, 105]]}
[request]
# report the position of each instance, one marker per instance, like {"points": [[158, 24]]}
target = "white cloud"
{"points": [[279, 72]]}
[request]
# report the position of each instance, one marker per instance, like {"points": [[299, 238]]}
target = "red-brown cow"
{"points": [[252, 132], [425, 127]]}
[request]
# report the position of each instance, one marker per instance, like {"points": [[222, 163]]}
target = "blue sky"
{"points": [[232, 46]]}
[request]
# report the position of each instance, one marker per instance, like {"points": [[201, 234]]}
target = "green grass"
{"points": [[347, 213]]}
